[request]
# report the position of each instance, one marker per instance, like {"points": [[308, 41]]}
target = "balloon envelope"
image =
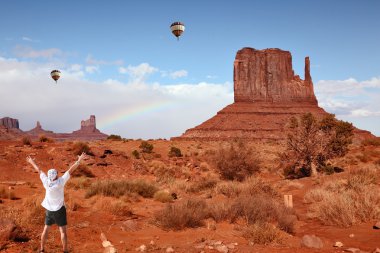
{"points": [[55, 74], [177, 28]]}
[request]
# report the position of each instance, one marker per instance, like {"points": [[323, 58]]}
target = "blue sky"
{"points": [[127, 45]]}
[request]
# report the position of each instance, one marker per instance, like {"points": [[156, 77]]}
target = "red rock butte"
{"points": [[266, 94]]}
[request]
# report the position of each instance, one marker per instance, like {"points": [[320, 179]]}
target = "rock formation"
{"points": [[88, 129], [38, 131], [9, 123], [266, 93]]}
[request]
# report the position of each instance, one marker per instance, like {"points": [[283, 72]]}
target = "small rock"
{"points": [[377, 250], [231, 246], [311, 241], [201, 245], [142, 248], [353, 250], [377, 225], [222, 248], [351, 235], [106, 244], [169, 250], [151, 242], [218, 243], [338, 244]]}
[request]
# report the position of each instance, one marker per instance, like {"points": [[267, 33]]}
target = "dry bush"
{"points": [[236, 162], [115, 206], [43, 138], [202, 185], [188, 214], [163, 196], [348, 202], [26, 141], [263, 233], [78, 183], [251, 186], [136, 154], [32, 211], [146, 147], [175, 152], [82, 171], [81, 147], [120, 188]]}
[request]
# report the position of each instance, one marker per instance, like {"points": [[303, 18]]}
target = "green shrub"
{"points": [[114, 137], [136, 154], [146, 147], [175, 152]]}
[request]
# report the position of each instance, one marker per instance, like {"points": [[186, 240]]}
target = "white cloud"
{"points": [[91, 61], [138, 73], [24, 38], [352, 100], [28, 52], [133, 110], [178, 74], [92, 69]]}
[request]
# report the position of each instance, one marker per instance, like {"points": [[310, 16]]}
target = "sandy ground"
{"points": [[128, 232]]}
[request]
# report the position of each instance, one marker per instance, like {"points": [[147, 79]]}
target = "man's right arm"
{"points": [[31, 161]]}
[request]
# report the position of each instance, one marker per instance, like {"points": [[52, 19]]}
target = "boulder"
{"points": [[311, 241]]}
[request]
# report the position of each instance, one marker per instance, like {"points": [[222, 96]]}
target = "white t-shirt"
{"points": [[54, 197]]}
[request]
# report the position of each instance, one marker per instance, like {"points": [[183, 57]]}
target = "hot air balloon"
{"points": [[177, 29], [55, 74]]}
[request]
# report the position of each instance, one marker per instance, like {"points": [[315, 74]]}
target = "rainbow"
{"points": [[125, 114]]}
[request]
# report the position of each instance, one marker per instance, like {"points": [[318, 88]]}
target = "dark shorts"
{"points": [[56, 217]]}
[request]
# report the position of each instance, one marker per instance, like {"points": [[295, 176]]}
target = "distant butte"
{"points": [[266, 94]]}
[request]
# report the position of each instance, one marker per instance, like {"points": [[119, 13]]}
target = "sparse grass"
{"points": [[263, 233], [81, 147], [163, 196], [32, 211], [26, 141], [371, 142], [346, 203], [251, 186], [236, 162], [188, 214], [120, 188], [83, 171], [114, 206]]}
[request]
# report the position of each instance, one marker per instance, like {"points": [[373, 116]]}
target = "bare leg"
{"points": [[44, 236], [63, 237]]}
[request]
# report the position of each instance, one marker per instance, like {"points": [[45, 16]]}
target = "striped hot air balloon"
{"points": [[177, 29], [55, 74]]}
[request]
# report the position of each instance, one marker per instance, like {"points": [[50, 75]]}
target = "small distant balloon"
{"points": [[55, 74], [177, 29]]}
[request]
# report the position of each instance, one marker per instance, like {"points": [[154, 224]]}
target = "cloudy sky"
{"points": [[120, 62]]}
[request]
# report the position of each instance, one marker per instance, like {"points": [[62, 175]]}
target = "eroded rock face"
{"points": [[267, 76], [9, 123]]}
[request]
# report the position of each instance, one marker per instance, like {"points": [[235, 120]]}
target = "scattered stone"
{"points": [[201, 245], [142, 248], [353, 250], [169, 250], [222, 248], [151, 242], [338, 244], [108, 247], [107, 152], [231, 246], [377, 250], [351, 235], [130, 225], [377, 225], [311, 241]]}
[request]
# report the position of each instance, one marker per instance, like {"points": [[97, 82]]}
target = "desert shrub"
{"points": [[263, 233], [146, 147], [33, 212], [312, 143], [236, 162], [136, 154], [114, 137], [43, 138], [26, 141], [82, 171], [348, 202], [116, 207], [175, 152], [188, 214], [120, 188], [81, 147], [163, 196], [202, 185], [78, 183], [251, 186]]}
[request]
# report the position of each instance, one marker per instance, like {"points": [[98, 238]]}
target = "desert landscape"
{"points": [[272, 172]]}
